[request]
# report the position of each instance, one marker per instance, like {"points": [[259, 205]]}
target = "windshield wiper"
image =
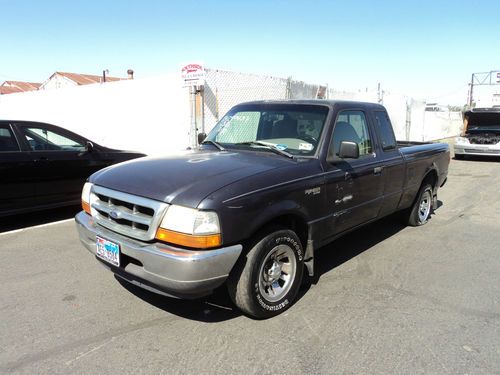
{"points": [[269, 146], [214, 144]]}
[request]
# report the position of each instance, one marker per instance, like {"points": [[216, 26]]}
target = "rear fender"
{"points": [[432, 173]]}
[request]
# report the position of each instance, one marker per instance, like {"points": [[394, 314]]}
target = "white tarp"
{"points": [[148, 115], [152, 115]]}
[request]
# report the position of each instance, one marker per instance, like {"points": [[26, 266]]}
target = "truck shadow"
{"points": [[351, 245], [219, 307], [212, 309]]}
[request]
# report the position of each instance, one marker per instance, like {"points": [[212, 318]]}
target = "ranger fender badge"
{"points": [[313, 191]]}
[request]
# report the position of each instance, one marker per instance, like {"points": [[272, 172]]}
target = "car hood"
{"points": [[483, 122], [188, 178]]}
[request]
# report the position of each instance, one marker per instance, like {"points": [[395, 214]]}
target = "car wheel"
{"points": [[266, 280], [422, 208], [459, 157]]}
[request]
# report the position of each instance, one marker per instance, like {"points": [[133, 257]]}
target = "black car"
{"points": [[44, 166]]}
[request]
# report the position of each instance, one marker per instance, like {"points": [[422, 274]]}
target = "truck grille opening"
{"points": [[127, 214]]}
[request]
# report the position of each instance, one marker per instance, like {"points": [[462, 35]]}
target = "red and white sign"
{"points": [[193, 75]]}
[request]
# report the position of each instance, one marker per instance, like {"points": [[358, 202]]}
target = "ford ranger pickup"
{"points": [[269, 185]]}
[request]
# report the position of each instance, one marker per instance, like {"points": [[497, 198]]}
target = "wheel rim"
{"points": [[424, 207], [277, 273]]}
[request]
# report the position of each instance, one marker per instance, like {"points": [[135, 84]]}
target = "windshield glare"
{"points": [[295, 129]]}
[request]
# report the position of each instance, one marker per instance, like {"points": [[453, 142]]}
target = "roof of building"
{"points": [[10, 87], [85, 79]]}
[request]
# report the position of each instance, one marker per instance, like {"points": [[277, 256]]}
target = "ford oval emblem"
{"points": [[114, 214]]}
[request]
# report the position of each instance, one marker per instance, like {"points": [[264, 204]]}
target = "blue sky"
{"points": [[426, 49]]}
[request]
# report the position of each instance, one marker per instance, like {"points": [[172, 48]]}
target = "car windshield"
{"points": [[294, 129]]}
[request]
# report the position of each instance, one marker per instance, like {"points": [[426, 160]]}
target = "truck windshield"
{"points": [[295, 129]]}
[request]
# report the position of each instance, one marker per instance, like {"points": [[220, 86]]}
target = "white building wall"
{"points": [[148, 115], [57, 82]]}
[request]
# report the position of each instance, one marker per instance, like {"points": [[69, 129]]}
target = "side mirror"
{"points": [[349, 150], [201, 137], [89, 146]]}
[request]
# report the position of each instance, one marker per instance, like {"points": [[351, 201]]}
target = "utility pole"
{"points": [[471, 90], [408, 119]]}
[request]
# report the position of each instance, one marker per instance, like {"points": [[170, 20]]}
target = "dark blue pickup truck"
{"points": [[271, 183]]}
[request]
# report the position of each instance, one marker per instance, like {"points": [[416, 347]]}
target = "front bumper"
{"points": [[162, 268], [476, 149]]}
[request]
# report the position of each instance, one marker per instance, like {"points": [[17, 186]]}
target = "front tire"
{"points": [[266, 280]]}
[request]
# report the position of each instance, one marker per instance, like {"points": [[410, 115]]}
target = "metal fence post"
{"points": [[192, 102], [288, 92], [408, 119]]}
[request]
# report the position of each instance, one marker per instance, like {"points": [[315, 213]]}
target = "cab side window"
{"points": [[7, 141], [351, 126], [40, 139], [385, 131]]}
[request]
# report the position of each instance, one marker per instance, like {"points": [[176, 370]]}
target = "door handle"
{"points": [[345, 199], [377, 171]]}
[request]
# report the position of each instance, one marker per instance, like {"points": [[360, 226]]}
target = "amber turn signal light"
{"points": [[189, 240], [86, 207]]}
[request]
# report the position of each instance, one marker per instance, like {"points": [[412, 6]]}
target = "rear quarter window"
{"points": [[7, 141], [385, 131]]}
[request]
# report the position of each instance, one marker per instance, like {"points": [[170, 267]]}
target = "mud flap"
{"points": [[309, 258], [434, 200]]}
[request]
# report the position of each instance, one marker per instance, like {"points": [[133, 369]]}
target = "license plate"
{"points": [[109, 251]]}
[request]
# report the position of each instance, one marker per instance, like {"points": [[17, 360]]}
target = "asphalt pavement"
{"points": [[388, 299]]}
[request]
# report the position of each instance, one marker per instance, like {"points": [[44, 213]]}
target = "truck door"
{"points": [[354, 186]]}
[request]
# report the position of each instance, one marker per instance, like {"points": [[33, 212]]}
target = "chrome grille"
{"points": [[127, 214]]}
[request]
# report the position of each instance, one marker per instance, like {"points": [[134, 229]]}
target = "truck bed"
{"points": [[410, 143]]}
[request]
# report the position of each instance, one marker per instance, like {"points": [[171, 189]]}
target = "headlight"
{"points": [[86, 197], [190, 227], [462, 140]]}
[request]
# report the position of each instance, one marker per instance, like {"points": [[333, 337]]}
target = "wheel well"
{"points": [[293, 222], [431, 178]]}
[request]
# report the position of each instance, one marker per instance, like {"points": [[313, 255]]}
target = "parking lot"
{"points": [[387, 299]]}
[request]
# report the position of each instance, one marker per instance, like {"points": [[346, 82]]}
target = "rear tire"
{"points": [[422, 208], [265, 281]]}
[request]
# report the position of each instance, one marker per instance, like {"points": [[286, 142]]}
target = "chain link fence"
{"points": [[224, 90]]}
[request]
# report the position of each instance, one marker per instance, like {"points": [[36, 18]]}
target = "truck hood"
{"points": [[188, 178]]}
